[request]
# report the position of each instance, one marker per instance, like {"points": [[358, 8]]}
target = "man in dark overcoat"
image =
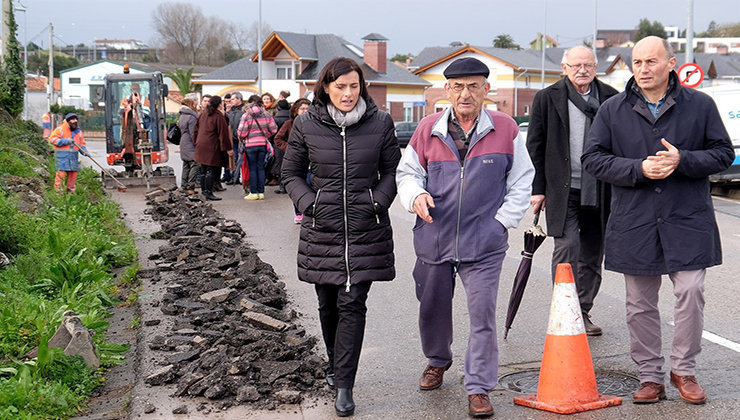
{"points": [[657, 143], [575, 203]]}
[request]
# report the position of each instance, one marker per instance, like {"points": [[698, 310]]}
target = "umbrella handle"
{"points": [[537, 217]]}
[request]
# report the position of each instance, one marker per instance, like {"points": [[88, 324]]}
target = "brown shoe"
{"points": [[649, 392], [591, 328], [479, 405], [432, 377], [689, 389]]}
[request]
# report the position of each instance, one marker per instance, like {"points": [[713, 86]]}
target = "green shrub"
{"points": [[61, 259], [17, 229]]}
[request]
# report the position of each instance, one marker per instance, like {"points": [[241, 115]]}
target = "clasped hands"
{"points": [[663, 163]]}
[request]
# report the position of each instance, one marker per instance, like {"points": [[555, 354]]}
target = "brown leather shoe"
{"points": [[591, 328], [479, 405], [649, 392], [689, 389], [432, 377]]}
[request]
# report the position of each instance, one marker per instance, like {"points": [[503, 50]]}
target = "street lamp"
{"points": [[22, 8]]}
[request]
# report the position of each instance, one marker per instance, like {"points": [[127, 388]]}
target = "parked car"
{"points": [[404, 131], [523, 127]]}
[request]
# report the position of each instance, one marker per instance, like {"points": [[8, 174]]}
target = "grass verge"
{"points": [[61, 256]]}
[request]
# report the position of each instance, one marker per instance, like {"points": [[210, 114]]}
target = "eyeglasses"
{"points": [[472, 87], [587, 66]]}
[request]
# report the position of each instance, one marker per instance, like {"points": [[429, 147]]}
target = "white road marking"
{"points": [[714, 338]]}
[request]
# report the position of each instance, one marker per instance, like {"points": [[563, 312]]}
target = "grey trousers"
{"points": [[435, 287], [643, 320], [581, 246]]}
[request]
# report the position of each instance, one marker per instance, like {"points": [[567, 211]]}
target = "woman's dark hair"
{"points": [[332, 71], [255, 100], [297, 104], [213, 103]]}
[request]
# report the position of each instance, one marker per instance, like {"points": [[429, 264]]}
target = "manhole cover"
{"points": [[609, 383]]}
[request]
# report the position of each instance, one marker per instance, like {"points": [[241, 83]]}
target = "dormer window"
{"points": [[284, 71]]}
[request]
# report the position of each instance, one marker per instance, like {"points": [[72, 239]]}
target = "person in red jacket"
{"points": [[67, 140]]}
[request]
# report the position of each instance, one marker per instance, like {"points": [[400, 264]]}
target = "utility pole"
{"points": [[690, 33], [5, 29], [543, 43], [259, 48], [593, 43], [50, 79]]}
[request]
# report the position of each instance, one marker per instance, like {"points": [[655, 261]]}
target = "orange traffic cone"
{"points": [[567, 380]]}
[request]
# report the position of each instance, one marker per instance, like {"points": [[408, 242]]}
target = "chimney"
{"points": [[600, 43], [723, 49], [374, 52]]}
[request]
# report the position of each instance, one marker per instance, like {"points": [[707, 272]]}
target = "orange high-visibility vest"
{"points": [[46, 124]]}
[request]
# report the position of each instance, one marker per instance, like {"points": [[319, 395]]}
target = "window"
{"points": [[526, 109], [284, 71], [408, 112], [74, 80], [296, 68]]}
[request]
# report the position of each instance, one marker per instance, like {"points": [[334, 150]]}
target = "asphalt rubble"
{"points": [[234, 338]]}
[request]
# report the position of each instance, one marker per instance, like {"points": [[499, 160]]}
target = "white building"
{"points": [[706, 45], [83, 86]]}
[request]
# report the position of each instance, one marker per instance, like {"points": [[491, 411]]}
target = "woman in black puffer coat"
{"points": [[346, 241]]}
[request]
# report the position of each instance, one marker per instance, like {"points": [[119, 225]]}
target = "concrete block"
{"points": [[265, 321], [161, 376], [217, 296]]}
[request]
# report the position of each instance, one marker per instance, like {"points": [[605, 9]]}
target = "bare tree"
{"points": [[183, 26], [188, 36], [252, 34], [238, 35]]}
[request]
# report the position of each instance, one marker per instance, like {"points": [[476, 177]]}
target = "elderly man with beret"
{"points": [[467, 175]]}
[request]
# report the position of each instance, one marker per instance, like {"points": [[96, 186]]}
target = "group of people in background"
{"points": [[469, 177], [226, 141]]}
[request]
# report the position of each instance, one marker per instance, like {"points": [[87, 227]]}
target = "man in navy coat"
{"points": [[657, 143]]}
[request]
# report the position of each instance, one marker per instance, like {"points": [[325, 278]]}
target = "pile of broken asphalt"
{"points": [[234, 338]]}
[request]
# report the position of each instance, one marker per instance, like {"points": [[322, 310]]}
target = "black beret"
{"points": [[464, 67], [70, 116]]}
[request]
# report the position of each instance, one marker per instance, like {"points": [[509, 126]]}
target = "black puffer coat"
{"points": [[346, 235]]}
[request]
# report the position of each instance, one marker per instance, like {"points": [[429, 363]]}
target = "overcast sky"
{"points": [[409, 25]]}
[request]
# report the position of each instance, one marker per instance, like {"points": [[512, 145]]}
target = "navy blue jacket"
{"points": [[668, 225]]}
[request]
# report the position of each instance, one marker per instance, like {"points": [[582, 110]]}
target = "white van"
{"points": [[727, 98]]}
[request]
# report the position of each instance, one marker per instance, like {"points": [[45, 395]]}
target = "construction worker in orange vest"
{"points": [[67, 140], [46, 124]]}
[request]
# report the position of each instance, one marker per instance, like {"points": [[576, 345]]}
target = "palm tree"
{"points": [[505, 41], [183, 80]]}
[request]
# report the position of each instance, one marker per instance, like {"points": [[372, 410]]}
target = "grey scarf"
{"points": [[351, 117], [589, 107]]}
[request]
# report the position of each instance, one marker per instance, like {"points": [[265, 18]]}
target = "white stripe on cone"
{"points": [[565, 311]]}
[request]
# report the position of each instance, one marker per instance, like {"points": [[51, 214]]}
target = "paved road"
{"points": [[391, 360]]}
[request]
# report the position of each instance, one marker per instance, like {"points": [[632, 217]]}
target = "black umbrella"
{"points": [[533, 238]]}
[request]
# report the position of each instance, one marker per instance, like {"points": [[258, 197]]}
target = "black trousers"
{"points": [[342, 317]]}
